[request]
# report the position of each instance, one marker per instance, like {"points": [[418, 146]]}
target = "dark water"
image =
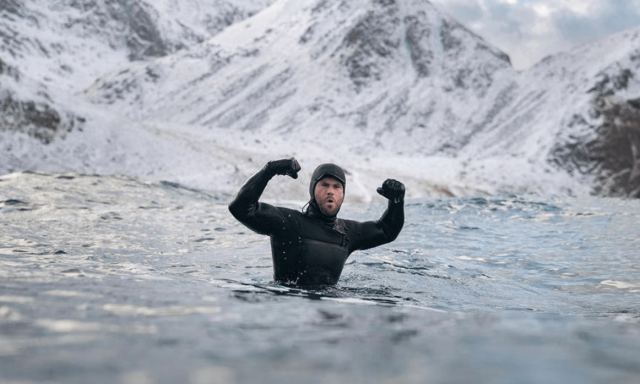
{"points": [[113, 280]]}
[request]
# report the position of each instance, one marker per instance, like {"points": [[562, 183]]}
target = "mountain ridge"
{"points": [[374, 79]]}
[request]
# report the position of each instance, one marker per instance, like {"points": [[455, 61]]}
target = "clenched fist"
{"points": [[392, 190], [284, 167]]}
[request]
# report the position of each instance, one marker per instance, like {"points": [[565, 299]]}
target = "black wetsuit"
{"points": [[309, 248]]}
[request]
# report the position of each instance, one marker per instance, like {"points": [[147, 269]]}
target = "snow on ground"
{"points": [[324, 82]]}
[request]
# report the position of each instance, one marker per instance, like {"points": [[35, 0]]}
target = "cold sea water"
{"points": [[112, 280]]}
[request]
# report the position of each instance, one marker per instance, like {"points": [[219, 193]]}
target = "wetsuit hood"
{"points": [[322, 171]]}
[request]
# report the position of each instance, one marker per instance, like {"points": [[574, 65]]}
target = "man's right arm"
{"points": [[260, 217]]}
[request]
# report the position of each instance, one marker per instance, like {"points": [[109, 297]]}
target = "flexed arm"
{"points": [[373, 233], [260, 217], [393, 218]]}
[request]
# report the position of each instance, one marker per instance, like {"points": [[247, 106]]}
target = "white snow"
{"points": [[278, 84]]}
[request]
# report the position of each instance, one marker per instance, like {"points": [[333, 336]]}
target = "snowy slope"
{"points": [[396, 75], [555, 117], [601, 137], [383, 87], [52, 50], [71, 42]]}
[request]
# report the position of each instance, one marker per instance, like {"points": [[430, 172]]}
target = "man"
{"points": [[311, 247]]}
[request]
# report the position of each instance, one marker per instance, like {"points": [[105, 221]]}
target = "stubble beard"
{"points": [[329, 209]]}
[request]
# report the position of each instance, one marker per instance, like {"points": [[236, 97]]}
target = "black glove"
{"points": [[392, 190], [284, 167]]}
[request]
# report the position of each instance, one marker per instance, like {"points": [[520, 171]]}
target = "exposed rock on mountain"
{"points": [[375, 70], [36, 116], [609, 148], [384, 85], [602, 139], [39, 120], [61, 46]]}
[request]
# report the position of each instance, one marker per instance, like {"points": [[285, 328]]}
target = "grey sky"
{"points": [[529, 30]]}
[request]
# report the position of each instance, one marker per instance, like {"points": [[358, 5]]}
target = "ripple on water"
{"points": [[71, 294], [138, 310], [9, 314], [75, 326], [15, 299], [131, 272], [622, 285]]}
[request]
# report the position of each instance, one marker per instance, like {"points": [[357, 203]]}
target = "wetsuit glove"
{"points": [[392, 190], [283, 167]]}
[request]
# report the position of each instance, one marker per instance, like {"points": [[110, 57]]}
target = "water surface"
{"points": [[106, 279]]}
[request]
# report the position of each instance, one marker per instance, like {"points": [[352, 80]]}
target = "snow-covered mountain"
{"points": [[52, 50], [204, 94], [600, 131], [578, 111], [399, 76]]}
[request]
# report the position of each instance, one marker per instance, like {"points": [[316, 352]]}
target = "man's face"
{"points": [[329, 195]]}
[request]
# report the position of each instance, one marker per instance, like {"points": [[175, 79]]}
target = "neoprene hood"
{"points": [[324, 170]]}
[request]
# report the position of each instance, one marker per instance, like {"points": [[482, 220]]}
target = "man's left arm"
{"points": [[374, 233]]}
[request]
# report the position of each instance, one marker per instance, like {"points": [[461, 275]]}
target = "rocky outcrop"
{"points": [[370, 42], [38, 120], [9, 71], [51, 49], [10, 6], [602, 141], [609, 146], [374, 67], [133, 22], [617, 149], [367, 77]]}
